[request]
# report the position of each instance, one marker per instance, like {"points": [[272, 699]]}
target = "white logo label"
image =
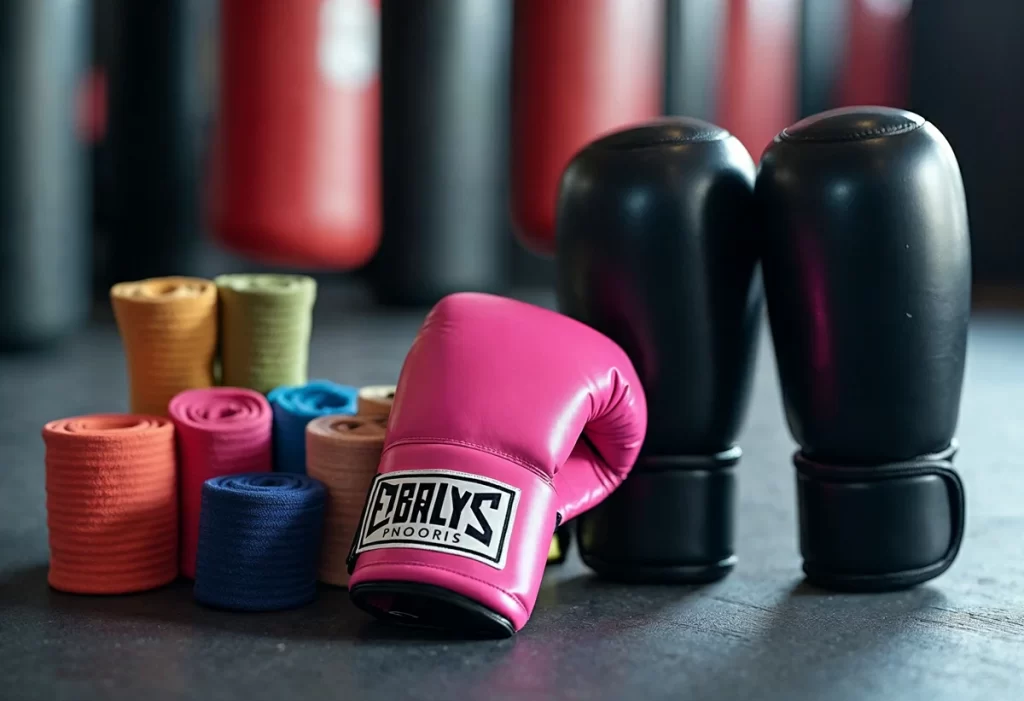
{"points": [[349, 41], [443, 511]]}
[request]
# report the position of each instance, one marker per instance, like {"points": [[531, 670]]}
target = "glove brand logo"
{"points": [[443, 511]]}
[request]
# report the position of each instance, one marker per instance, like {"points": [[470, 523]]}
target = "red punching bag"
{"points": [[581, 68], [759, 70], [874, 72], [855, 52], [296, 150]]}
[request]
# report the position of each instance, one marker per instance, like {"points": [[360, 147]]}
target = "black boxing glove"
{"points": [[867, 274], [655, 249]]}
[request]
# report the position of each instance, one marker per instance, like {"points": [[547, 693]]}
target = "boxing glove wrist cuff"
{"points": [[879, 527], [449, 527], [671, 520]]}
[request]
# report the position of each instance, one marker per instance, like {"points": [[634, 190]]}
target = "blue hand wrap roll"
{"points": [[259, 541], [294, 407]]}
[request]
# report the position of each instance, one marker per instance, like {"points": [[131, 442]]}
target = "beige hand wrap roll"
{"points": [[343, 453], [375, 400]]}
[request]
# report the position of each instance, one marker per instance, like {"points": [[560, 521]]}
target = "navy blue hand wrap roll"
{"points": [[294, 407], [259, 541]]}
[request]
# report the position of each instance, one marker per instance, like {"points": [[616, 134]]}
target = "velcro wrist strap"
{"points": [[671, 520], [879, 527]]}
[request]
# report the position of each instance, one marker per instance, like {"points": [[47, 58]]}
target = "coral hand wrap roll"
{"points": [[376, 400], [168, 327], [294, 407], [259, 541], [221, 431], [343, 452], [266, 323], [111, 502]]}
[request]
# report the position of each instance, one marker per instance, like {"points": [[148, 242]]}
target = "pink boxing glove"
{"points": [[508, 420]]}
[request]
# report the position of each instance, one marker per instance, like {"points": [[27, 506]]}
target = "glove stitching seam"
{"points": [[852, 136], [410, 563], [475, 446]]}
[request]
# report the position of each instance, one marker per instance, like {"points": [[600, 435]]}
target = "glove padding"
{"points": [[508, 420]]}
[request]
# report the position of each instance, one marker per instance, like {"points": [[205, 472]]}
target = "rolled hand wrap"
{"points": [[294, 407], [343, 452], [221, 431], [376, 400], [168, 328], [259, 541], [111, 502], [266, 323]]}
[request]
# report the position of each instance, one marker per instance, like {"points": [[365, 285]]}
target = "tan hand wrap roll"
{"points": [[343, 453], [376, 400]]}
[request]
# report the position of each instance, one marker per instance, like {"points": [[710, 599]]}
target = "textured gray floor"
{"points": [[761, 634]]}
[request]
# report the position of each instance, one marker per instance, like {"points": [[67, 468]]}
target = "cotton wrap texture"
{"points": [[294, 407], [111, 502], [343, 452], [266, 324], [168, 328], [259, 541], [221, 431], [376, 400]]}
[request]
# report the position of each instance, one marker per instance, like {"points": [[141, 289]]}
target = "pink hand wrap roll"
{"points": [[220, 431]]}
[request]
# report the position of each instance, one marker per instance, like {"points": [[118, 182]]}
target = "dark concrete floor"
{"points": [[762, 634]]}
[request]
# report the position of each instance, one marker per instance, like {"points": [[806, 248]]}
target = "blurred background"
{"points": [[411, 148]]}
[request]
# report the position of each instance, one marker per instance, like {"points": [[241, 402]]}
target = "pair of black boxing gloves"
{"points": [[853, 229]]}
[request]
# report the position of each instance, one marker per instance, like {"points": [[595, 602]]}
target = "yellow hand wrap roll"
{"points": [[168, 328]]}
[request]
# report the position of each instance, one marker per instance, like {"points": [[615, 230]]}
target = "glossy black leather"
{"points": [[866, 259], [655, 248], [867, 274]]}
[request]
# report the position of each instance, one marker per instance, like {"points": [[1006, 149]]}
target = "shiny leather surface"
{"points": [[656, 249], [509, 391], [867, 272]]}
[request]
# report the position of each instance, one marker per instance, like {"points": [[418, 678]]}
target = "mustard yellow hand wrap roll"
{"points": [[168, 329]]}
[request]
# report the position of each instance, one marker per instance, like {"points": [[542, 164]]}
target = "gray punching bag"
{"points": [[693, 31], [445, 72], [45, 254]]}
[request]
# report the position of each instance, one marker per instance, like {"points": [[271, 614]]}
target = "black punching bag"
{"points": [[45, 254], [962, 78], [867, 273], [160, 91], [445, 98], [655, 249]]}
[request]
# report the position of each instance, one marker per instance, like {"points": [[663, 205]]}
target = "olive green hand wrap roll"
{"points": [[265, 326]]}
